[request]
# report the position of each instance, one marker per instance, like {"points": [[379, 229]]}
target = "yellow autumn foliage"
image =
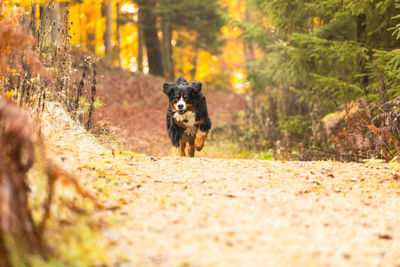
{"points": [[88, 27]]}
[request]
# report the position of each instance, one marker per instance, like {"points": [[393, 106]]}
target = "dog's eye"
{"points": [[177, 96], [184, 96]]}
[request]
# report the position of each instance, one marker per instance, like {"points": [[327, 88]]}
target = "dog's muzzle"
{"points": [[181, 106]]}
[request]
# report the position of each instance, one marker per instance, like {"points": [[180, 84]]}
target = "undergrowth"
{"points": [[45, 219], [355, 132]]}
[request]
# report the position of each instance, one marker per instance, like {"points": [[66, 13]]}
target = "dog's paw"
{"points": [[200, 139]]}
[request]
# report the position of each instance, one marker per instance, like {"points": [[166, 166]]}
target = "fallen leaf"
{"points": [[162, 199], [135, 187], [385, 236], [302, 192], [396, 177], [316, 183]]}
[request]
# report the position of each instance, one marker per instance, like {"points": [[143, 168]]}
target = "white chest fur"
{"points": [[188, 119]]}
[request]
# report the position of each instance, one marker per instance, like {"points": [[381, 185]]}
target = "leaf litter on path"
{"points": [[168, 211]]}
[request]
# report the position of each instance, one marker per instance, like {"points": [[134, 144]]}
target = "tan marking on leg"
{"points": [[191, 151], [182, 147], [200, 139]]}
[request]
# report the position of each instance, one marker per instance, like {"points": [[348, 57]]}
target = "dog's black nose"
{"points": [[180, 106]]}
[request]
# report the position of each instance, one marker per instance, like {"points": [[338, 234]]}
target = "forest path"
{"points": [[170, 211]]}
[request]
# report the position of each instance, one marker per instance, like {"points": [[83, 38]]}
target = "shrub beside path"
{"points": [[169, 211]]}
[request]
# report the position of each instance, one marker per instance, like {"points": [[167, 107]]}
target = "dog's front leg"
{"points": [[182, 147], [200, 139], [191, 149]]}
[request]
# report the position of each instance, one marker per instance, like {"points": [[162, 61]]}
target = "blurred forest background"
{"points": [[318, 79]]}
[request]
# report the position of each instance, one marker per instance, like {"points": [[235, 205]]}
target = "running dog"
{"points": [[187, 117]]}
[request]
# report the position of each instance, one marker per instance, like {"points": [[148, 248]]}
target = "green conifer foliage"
{"points": [[320, 54]]}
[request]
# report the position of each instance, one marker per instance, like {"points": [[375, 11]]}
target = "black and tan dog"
{"points": [[187, 116]]}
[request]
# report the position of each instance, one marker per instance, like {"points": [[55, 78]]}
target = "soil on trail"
{"points": [[136, 105], [170, 211]]}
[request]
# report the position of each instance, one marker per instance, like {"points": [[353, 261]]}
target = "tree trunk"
{"points": [[91, 39], [273, 110], [248, 49], [107, 13], [151, 37], [25, 22], [195, 59], [118, 35], [383, 87], [361, 26], [167, 48], [140, 42], [181, 60], [34, 24], [65, 26], [56, 25], [45, 25]]}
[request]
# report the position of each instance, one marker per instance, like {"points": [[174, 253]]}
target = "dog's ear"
{"points": [[196, 86], [167, 87]]}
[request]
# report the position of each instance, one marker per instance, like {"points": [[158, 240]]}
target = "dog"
{"points": [[187, 116]]}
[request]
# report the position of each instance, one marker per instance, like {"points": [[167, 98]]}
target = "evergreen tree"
{"points": [[319, 54]]}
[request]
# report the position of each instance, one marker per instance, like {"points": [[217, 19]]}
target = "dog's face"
{"points": [[182, 96]]}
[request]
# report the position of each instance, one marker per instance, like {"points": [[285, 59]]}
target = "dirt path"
{"points": [[212, 212]]}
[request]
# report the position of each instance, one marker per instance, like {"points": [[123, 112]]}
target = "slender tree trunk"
{"points": [[250, 55], [65, 25], [383, 87], [180, 65], [140, 42], [195, 60], [273, 110], [151, 37], [361, 26], [34, 22], [248, 49], [44, 38], [118, 34], [167, 47], [107, 13], [25, 22], [91, 38], [45, 24], [56, 25]]}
